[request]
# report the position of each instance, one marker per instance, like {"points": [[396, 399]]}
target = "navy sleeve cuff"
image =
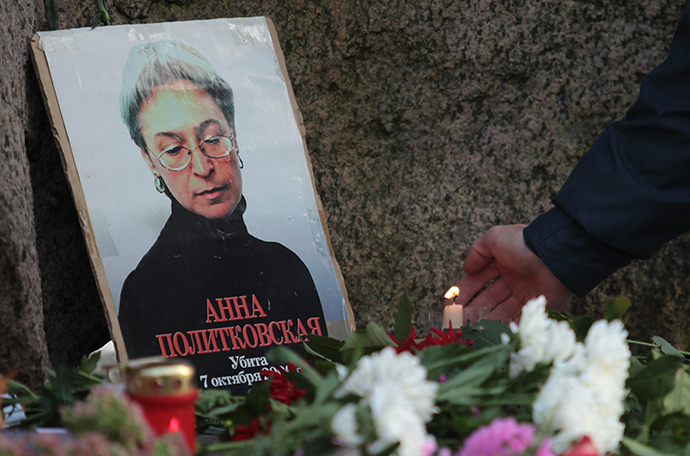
{"points": [[579, 261]]}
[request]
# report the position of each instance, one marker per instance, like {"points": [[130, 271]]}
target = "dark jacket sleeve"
{"points": [[630, 193]]}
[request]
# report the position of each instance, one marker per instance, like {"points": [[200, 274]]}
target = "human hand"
{"points": [[502, 253]]}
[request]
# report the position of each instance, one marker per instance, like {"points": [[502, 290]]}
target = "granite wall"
{"points": [[23, 348], [428, 121]]}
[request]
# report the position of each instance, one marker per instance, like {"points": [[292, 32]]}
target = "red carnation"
{"points": [[249, 432], [452, 336], [444, 338], [408, 345], [283, 389]]}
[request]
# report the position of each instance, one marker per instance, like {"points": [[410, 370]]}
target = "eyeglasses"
{"points": [[176, 158]]}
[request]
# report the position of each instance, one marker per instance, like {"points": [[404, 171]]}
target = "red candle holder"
{"points": [[166, 393]]}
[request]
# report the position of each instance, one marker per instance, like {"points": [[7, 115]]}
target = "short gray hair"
{"points": [[159, 63]]}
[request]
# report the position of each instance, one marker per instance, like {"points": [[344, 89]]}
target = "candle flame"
{"points": [[452, 292], [174, 425]]}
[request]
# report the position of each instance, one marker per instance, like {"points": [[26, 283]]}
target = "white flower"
{"points": [[403, 370], [584, 393], [344, 426], [542, 340], [608, 355], [560, 341], [400, 397], [550, 397], [532, 332], [395, 421], [583, 412]]}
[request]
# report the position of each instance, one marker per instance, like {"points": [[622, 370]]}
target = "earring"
{"points": [[240, 159], [160, 184]]}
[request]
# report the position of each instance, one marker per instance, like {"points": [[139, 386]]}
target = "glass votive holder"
{"points": [[433, 318], [475, 314]]}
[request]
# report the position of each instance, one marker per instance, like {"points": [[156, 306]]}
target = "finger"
{"points": [[494, 295], [507, 310], [479, 256], [470, 284]]}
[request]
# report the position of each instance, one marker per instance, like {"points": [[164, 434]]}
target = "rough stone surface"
{"points": [[429, 121], [22, 341]]}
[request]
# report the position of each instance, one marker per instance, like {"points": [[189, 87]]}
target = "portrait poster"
{"points": [[185, 152]]}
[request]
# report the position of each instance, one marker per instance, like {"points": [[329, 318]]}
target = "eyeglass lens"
{"points": [[177, 158]]}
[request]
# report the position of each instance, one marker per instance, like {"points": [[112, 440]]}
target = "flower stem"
{"points": [[647, 344]]}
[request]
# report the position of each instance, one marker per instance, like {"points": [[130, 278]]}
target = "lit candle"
{"points": [[452, 313]]}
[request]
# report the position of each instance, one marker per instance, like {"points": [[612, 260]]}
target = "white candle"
{"points": [[452, 314]]}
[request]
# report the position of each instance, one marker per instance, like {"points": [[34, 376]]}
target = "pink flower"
{"points": [[545, 448], [503, 437], [91, 444], [429, 448]]}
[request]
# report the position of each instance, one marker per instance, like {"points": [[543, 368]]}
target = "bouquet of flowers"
{"points": [[548, 386]]}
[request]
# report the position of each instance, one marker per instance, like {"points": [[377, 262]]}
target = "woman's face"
{"points": [[179, 114]]}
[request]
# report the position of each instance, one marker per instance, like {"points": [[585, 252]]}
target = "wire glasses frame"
{"points": [[177, 158]]}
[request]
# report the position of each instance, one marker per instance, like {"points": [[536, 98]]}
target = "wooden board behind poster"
{"points": [[209, 290]]}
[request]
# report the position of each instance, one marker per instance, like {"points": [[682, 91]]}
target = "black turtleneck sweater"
{"points": [[209, 292]]}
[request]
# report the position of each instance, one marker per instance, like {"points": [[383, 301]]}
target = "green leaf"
{"points": [[389, 450], [460, 387], [229, 447], [580, 326], [640, 449], [515, 399], [285, 354], [435, 358], [678, 400], [489, 335], [403, 319], [19, 388], [62, 384], [88, 364], [51, 13], [656, 380], [325, 392], [670, 433], [256, 402], [312, 355], [616, 307], [371, 339], [327, 347], [666, 348], [463, 357], [555, 315]]}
